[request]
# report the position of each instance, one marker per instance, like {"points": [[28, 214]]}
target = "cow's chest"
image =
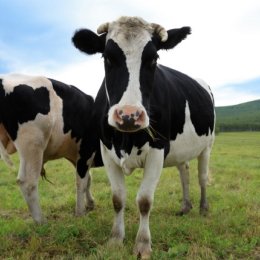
{"points": [[129, 161]]}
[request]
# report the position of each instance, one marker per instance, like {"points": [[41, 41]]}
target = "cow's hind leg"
{"points": [[83, 191], [31, 158], [203, 163], [184, 176]]}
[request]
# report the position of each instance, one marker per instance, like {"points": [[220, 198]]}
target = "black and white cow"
{"points": [[149, 116], [43, 119]]}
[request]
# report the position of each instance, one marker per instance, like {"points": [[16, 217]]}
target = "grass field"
{"points": [[230, 231]]}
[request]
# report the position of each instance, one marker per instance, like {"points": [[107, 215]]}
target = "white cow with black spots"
{"points": [[43, 119], [148, 116]]}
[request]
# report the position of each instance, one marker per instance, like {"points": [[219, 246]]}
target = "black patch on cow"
{"points": [[77, 108], [148, 66], [117, 75], [22, 105]]}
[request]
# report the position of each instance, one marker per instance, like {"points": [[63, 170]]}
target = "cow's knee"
{"points": [[117, 203], [27, 187], [144, 205]]}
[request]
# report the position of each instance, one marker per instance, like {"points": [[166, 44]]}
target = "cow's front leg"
{"points": [[83, 183], [28, 176], [83, 191], [117, 181], [152, 172]]}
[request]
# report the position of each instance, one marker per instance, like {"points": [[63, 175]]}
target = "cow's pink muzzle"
{"points": [[129, 118]]}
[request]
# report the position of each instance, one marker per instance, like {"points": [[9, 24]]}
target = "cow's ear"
{"points": [[89, 42], [175, 36]]}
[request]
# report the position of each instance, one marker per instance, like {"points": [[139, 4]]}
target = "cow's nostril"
{"points": [[140, 118], [137, 114], [120, 112], [125, 117]]}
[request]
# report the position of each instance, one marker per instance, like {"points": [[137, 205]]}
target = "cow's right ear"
{"points": [[175, 36], [89, 42]]}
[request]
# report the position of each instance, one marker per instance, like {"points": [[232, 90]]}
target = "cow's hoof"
{"points": [[185, 210], [40, 221], [204, 211], [115, 242], [90, 206], [143, 250], [81, 212]]}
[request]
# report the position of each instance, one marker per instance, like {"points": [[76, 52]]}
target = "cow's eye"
{"points": [[108, 62], [154, 62]]}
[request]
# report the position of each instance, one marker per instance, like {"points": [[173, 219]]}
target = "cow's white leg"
{"points": [[144, 199], [184, 176], [28, 176], [203, 162], [83, 191], [89, 197], [117, 181]]}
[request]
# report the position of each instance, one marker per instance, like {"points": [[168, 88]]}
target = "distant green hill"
{"points": [[242, 117]]}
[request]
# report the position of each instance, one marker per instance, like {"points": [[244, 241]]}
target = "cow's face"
{"points": [[129, 47]]}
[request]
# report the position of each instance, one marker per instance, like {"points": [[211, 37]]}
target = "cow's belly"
{"points": [[186, 147], [61, 145]]}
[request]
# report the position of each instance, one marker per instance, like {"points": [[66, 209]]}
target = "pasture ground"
{"points": [[230, 231]]}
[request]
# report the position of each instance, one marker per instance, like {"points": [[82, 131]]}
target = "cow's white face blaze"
{"points": [[128, 111]]}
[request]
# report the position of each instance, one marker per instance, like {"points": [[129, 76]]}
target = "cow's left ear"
{"points": [[175, 36], [89, 42]]}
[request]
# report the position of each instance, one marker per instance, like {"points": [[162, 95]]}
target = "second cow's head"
{"points": [[129, 47]]}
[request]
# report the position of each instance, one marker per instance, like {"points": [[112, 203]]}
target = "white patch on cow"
{"points": [[187, 145], [13, 80], [205, 86]]}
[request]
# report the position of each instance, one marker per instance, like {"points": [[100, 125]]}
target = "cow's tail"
{"points": [[5, 156]]}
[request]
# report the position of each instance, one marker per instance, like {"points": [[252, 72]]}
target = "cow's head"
{"points": [[129, 46]]}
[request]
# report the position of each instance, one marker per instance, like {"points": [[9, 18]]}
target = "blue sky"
{"points": [[35, 38]]}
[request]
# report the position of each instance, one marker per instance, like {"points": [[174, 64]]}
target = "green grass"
{"points": [[230, 231]]}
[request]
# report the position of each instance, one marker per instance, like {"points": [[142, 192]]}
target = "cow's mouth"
{"points": [[128, 126]]}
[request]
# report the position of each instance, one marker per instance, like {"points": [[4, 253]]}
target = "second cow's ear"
{"points": [[175, 36], [89, 42]]}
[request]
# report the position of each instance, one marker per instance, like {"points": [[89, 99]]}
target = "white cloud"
{"points": [[223, 47], [227, 96]]}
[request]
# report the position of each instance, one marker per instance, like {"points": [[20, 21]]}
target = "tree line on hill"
{"points": [[242, 117]]}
